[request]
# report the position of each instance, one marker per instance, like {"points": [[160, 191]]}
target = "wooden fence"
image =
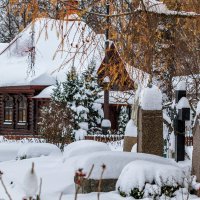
{"points": [[104, 138]]}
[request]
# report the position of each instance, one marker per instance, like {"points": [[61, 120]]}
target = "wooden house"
{"points": [[42, 54]]}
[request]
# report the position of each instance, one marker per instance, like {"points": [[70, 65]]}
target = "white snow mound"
{"points": [[139, 172], [106, 123], [151, 98], [181, 85], [115, 162], [183, 103], [8, 151], [131, 129], [80, 134], [30, 184], [34, 150], [83, 147]]}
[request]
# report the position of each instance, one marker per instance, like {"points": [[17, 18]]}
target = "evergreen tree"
{"points": [[123, 119], [79, 95], [70, 87], [57, 92], [91, 90]]}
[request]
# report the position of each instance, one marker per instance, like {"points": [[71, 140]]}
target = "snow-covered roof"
{"points": [[58, 46], [159, 7], [45, 93], [116, 97]]}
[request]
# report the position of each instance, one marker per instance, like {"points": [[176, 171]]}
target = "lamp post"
{"points": [[106, 79], [106, 97]]}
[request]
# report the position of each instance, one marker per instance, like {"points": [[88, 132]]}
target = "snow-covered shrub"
{"points": [[141, 179], [56, 124], [83, 147], [114, 161], [37, 150], [8, 151]]}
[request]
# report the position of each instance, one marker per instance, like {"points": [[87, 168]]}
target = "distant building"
{"points": [[42, 54]]}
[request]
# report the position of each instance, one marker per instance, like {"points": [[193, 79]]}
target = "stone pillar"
{"points": [[196, 150], [130, 138], [129, 142], [150, 121], [150, 132]]}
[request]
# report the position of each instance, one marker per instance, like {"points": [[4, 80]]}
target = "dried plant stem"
{"points": [[61, 196], [100, 181], [40, 190], [6, 191], [79, 186], [90, 172]]}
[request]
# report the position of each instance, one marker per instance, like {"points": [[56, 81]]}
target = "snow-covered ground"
{"points": [[57, 171]]}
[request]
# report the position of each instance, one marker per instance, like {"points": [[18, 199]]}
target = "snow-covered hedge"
{"points": [[141, 179], [114, 162], [36, 150], [8, 151], [83, 147]]}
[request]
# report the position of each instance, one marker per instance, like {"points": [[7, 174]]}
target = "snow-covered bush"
{"points": [[83, 147], [114, 161], [36, 150], [8, 151], [142, 179]]}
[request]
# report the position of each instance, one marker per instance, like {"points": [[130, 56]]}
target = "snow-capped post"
{"points": [[130, 138], [196, 146], [106, 82], [105, 125], [183, 114], [150, 121], [131, 132]]}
